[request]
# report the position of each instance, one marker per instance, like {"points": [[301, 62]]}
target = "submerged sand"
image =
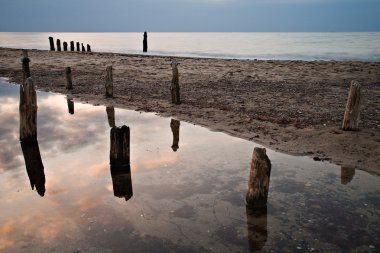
{"points": [[295, 107]]}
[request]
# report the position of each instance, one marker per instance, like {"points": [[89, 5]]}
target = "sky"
{"points": [[189, 15]]}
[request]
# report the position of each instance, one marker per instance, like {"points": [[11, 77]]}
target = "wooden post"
{"points": [[174, 89], [88, 48], [58, 45], [65, 46], [257, 225], [78, 47], [83, 49], [72, 46], [25, 65], [70, 105], [346, 174], [111, 115], [122, 182], [51, 41], [174, 125], [28, 111], [352, 113], [69, 80], [258, 185], [109, 82], [145, 42]]}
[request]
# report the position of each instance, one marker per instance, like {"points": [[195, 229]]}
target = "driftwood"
{"points": [[28, 111], [25, 65], [58, 45], [352, 112], [109, 82], [111, 115], [145, 42], [51, 41], [70, 105], [69, 80], [174, 125], [258, 185], [72, 46], [64, 46], [174, 89]]}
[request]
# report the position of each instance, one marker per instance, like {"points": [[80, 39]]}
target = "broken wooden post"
{"points": [[257, 225], [78, 46], [51, 41], [352, 113], [145, 42], [72, 46], [258, 185], [70, 105], [88, 48], [83, 49], [109, 82], [346, 174], [69, 80], [58, 45], [65, 46], [28, 111], [174, 125], [111, 115], [25, 65], [174, 89]]}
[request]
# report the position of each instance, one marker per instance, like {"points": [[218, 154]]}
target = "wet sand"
{"points": [[294, 107]]}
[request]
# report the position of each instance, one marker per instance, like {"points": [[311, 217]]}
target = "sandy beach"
{"points": [[294, 107]]}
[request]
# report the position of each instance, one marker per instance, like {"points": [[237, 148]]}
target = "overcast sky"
{"points": [[190, 15]]}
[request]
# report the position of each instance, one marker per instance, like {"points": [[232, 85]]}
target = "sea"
{"points": [[339, 46]]}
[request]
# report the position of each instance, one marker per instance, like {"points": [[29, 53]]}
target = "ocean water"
{"points": [[364, 46]]}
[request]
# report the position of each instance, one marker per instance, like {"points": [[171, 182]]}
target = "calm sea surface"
{"points": [[277, 46]]}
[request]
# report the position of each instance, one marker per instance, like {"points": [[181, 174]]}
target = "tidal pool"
{"points": [[185, 191]]}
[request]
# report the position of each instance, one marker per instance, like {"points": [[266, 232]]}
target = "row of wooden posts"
{"points": [[65, 46]]}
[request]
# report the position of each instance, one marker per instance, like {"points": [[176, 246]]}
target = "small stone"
{"points": [[371, 246]]}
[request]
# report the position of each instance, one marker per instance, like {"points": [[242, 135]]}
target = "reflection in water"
{"points": [[120, 162], [111, 115], [346, 174], [174, 125], [257, 228], [70, 105]]}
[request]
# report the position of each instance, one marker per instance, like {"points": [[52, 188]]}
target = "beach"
{"points": [[294, 107]]}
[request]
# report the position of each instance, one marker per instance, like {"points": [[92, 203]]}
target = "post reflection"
{"points": [[257, 228], [111, 115], [174, 125], [70, 105], [346, 174]]}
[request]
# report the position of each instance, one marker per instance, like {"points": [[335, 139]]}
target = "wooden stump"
{"points": [[83, 49], [78, 47], [258, 185], [352, 113], [257, 225], [111, 115], [58, 45], [88, 48], [120, 146], [65, 46], [72, 48], [69, 80], [174, 125], [109, 82], [51, 41], [346, 174], [25, 65], [174, 89], [70, 105], [145, 42], [28, 111]]}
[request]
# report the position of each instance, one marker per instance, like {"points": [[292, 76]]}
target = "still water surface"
{"points": [[191, 200]]}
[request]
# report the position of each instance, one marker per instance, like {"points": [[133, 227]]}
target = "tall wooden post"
{"points": [[78, 47], [111, 115], [174, 89], [72, 46], [83, 49], [174, 125], [352, 112], [109, 82], [257, 224], [69, 80], [64, 46], [58, 45], [145, 42], [70, 105], [28, 111], [51, 41], [88, 48], [258, 185], [25, 65]]}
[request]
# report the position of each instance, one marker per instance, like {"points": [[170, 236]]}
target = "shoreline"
{"points": [[295, 107]]}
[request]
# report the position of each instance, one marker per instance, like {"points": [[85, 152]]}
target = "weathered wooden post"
{"points": [[88, 48], [352, 113], [145, 42], [258, 185], [69, 80], [28, 111], [257, 225], [25, 65], [70, 105], [83, 49], [109, 82], [174, 125], [78, 47], [64, 46], [111, 115], [58, 45], [72, 46], [346, 174], [174, 89], [51, 41]]}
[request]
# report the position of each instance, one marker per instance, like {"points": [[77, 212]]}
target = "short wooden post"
{"points": [[70, 105], [59, 45], [111, 115], [145, 42], [346, 174], [352, 112], [83, 49], [258, 185], [78, 47], [120, 146], [72, 46], [28, 111], [257, 224], [64, 46], [51, 41], [109, 82], [25, 65], [69, 80], [174, 125], [88, 48], [174, 89]]}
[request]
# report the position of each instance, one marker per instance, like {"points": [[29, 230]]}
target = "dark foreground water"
{"points": [[191, 200]]}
